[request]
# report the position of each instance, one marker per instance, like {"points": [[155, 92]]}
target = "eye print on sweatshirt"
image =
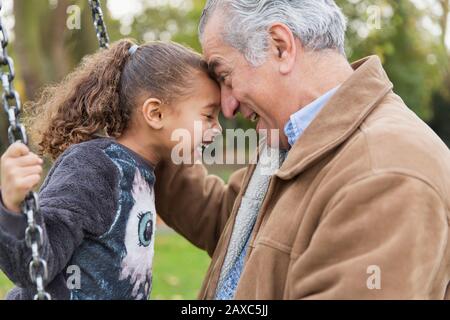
{"points": [[139, 239], [145, 228]]}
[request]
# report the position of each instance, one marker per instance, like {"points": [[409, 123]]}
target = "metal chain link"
{"points": [[38, 271], [99, 24]]}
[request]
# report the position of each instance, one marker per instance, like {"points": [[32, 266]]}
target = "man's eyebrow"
{"points": [[212, 66]]}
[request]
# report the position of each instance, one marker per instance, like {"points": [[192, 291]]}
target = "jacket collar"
{"points": [[340, 117]]}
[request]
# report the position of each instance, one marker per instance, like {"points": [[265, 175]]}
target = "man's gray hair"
{"points": [[319, 24]]}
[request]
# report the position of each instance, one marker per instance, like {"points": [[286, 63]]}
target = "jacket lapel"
{"points": [[340, 117]]}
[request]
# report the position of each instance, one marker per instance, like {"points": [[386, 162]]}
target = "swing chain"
{"points": [[99, 23], [38, 270]]}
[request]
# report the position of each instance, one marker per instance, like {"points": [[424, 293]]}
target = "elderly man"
{"points": [[359, 207]]}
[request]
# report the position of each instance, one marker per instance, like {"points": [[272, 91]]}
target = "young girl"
{"points": [[107, 125]]}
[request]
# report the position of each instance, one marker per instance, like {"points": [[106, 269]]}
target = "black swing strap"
{"points": [[99, 24], [38, 271]]}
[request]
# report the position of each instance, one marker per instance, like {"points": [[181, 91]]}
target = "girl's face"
{"points": [[193, 121]]}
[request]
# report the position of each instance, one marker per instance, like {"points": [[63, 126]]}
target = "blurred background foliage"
{"points": [[408, 35]]}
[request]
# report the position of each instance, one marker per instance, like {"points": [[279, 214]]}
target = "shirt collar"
{"points": [[300, 120]]}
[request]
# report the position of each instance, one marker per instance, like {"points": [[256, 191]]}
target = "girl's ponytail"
{"points": [[84, 104]]}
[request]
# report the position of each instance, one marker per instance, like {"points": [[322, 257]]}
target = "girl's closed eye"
{"points": [[209, 116], [211, 112]]}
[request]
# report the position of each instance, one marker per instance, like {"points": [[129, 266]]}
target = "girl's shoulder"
{"points": [[96, 145], [88, 150], [86, 160], [100, 159]]}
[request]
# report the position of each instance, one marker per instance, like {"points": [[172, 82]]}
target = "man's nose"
{"points": [[230, 104]]}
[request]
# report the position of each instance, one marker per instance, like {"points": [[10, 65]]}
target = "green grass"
{"points": [[5, 285], [178, 269]]}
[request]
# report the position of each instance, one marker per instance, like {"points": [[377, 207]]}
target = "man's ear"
{"points": [[283, 46], [152, 112]]}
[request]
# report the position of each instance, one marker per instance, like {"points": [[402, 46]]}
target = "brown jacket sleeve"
{"points": [[195, 204], [382, 237]]}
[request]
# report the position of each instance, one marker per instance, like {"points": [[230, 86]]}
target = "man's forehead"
{"points": [[211, 46], [216, 55], [212, 35], [216, 52]]}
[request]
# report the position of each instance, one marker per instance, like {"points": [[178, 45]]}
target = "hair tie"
{"points": [[133, 49]]}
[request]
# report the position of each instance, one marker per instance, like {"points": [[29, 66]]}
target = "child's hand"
{"points": [[20, 173]]}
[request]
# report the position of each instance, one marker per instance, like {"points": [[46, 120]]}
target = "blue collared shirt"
{"points": [[301, 119], [295, 127]]}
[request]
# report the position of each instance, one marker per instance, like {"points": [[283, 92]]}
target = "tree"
{"points": [[44, 49], [441, 98], [443, 20]]}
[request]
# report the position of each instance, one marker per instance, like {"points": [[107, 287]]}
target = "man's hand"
{"points": [[20, 172]]}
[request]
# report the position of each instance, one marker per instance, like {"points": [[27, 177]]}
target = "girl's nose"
{"points": [[230, 104], [211, 133], [217, 128]]}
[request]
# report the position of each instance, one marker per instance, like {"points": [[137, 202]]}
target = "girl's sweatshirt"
{"points": [[97, 213]]}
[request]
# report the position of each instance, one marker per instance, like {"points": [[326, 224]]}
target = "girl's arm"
{"points": [[76, 200], [195, 204]]}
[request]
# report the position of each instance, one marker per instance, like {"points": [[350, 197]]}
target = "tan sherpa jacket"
{"points": [[359, 209]]}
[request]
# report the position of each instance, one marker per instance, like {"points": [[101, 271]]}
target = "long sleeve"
{"points": [[195, 204], [77, 200], [381, 237]]}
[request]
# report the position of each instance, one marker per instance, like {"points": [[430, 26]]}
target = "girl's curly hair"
{"points": [[100, 95]]}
